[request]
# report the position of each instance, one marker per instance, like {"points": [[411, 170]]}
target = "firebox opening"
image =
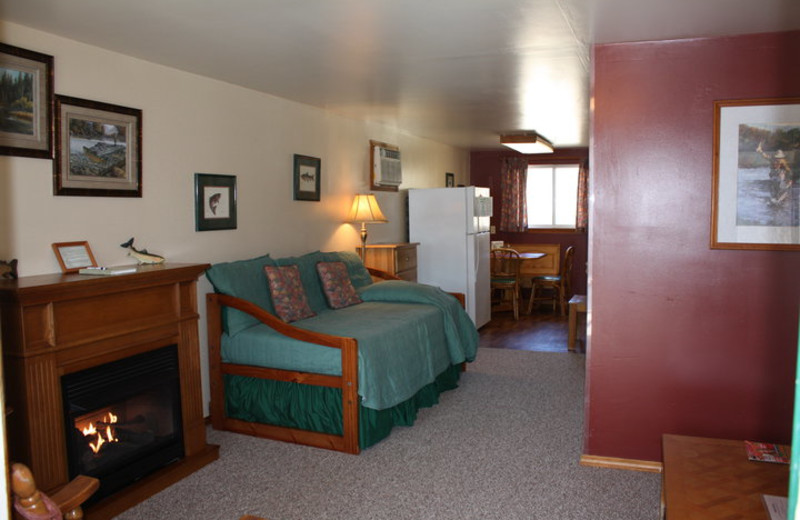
{"points": [[123, 419]]}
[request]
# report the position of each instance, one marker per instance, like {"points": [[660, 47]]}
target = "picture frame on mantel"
{"points": [[74, 256], [756, 175], [307, 173], [26, 103], [98, 149]]}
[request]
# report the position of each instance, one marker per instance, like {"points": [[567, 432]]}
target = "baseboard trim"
{"points": [[629, 464]]}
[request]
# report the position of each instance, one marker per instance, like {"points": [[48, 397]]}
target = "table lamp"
{"points": [[365, 209]]}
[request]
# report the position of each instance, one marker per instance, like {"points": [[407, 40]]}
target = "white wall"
{"points": [[192, 124]]}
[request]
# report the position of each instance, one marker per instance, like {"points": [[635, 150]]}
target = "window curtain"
{"points": [[513, 180], [582, 219]]}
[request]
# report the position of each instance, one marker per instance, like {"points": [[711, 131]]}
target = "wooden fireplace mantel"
{"points": [[57, 324]]}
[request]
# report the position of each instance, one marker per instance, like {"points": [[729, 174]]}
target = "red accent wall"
{"points": [[684, 339], [485, 169]]}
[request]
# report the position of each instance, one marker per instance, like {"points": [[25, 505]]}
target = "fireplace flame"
{"points": [[101, 437]]}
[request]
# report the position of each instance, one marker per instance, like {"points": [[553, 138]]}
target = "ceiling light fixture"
{"points": [[529, 142]]}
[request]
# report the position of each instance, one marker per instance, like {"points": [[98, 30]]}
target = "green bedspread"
{"points": [[407, 335], [460, 332]]}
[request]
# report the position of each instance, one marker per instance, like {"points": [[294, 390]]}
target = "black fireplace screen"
{"points": [[123, 419]]}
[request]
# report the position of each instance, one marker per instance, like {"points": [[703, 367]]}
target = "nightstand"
{"points": [[397, 259]]}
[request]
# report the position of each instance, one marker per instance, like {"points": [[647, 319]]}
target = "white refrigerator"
{"points": [[452, 228]]}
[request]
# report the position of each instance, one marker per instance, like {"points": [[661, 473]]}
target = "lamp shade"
{"points": [[529, 142], [365, 209]]}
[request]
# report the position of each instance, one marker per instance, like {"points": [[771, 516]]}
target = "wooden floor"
{"points": [[542, 331]]}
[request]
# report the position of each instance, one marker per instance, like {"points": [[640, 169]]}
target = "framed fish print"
{"points": [[26, 103], [214, 201], [756, 175], [306, 178], [98, 149]]}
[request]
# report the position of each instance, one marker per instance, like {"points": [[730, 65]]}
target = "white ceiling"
{"points": [[456, 71]]}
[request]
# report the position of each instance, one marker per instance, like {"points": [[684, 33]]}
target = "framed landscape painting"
{"points": [[98, 149], [756, 175], [26, 103]]}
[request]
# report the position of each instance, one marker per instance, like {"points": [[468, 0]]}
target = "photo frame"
{"points": [[307, 172], [26, 104], [98, 149], [214, 201], [450, 180], [74, 256], [756, 175]]}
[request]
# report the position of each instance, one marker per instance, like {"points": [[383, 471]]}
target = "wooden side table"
{"points": [[576, 304], [713, 479]]}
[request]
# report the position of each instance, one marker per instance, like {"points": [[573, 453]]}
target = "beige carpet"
{"points": [[505, 445]]}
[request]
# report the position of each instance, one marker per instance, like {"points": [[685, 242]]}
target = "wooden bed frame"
{"points": [[347, 382]]}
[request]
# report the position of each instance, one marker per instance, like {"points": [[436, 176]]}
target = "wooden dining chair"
{"points": [[32, 504], [505, 264], [556, 288]]}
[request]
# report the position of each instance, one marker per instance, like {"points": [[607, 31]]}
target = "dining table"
{"points": [[521, 258], [531, 256]]}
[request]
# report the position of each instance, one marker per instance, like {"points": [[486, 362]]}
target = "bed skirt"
{"points": [[319, 409]]}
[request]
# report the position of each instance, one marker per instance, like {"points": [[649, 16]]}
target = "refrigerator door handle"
{"points": [[477, 256]]}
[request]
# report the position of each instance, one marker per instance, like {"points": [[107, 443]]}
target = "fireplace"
{"points": [[119, 352], [122, 419]]}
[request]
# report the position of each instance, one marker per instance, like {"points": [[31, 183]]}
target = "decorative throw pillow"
{"points": [[337, 286], [288, 296]]}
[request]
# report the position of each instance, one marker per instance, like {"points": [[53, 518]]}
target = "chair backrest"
{"points": [[566, 270], [505, 263]]}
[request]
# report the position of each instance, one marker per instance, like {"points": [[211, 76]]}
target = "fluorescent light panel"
{"points": [[527, 143]]}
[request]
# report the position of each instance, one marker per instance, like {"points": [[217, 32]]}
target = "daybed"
{"points": [[340, 379]]}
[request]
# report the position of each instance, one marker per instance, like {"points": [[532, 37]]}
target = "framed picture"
{"points": [[214, 201], [26, 103], [756, 175], [98, 149], [450, 180], [306, 177], [74, 256]]}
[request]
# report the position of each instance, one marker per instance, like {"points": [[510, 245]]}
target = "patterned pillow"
{"points": [[336, 284], [288, 295]]}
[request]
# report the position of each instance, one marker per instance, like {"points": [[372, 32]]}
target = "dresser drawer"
{"points": [[409, 275], [406, 258], [396, 259]]}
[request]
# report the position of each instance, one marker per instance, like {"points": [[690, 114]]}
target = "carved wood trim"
{"points": [[57, 324], [348, 382]]}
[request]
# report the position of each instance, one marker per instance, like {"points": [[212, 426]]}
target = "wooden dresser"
{"points": [[713, 479], [397, 259]]}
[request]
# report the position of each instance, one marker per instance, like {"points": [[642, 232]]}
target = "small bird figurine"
{"points": [[141, 255]]}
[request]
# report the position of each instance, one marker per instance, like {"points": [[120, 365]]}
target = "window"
{"points": [[552, 196]]}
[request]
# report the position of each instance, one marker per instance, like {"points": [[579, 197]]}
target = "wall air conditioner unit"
{"points": [[386, 167]]}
